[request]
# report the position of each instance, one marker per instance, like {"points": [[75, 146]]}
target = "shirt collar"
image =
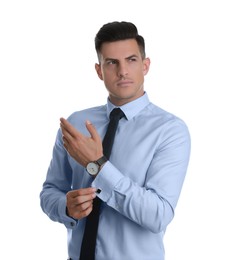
{"points": [[132, 108]]}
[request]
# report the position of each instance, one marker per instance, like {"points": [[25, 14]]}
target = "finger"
{"points": [[84, 213], [80, 203], [66, 137], [86, 191], [79, 192], [65, 134], [69, 128], [80, 211], [79, 200], [84, 206], [66, 146], [92, 130]]}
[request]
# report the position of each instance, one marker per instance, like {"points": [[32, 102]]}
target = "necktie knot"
{"points": [[116, 113]]}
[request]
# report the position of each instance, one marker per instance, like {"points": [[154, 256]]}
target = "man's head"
{"points": [[122, 62], [116, 31]]}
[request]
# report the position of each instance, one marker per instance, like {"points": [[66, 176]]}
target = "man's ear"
{"points": [[146, 65], [98, 70]]}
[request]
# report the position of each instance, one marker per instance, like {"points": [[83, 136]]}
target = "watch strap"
{"points": [[101, 160]]}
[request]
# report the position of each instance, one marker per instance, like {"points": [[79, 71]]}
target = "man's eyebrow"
{"points": [[132, 56], [111, 59], [127, 58]]}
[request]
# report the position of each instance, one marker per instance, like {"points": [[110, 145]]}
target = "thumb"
{"points": [[92, 130]]}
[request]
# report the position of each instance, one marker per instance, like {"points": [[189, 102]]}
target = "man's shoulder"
{"points": [[163, 116], [160, 112], [93, 114], [88, 111]]}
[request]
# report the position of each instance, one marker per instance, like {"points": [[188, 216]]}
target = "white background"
{"points": [[47, 71]]}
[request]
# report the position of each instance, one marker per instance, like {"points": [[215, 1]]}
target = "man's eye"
{"points": [[111, 62]]}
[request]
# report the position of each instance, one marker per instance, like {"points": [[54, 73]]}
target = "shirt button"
{"points": [[72, 224]]}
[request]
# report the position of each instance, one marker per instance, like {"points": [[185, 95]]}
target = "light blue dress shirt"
{"points": [[140, 184]]}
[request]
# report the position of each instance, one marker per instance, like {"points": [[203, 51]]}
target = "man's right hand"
{"points": [[80, 202]]}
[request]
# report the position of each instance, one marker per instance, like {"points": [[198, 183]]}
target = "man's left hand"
{"points": [[82, 148]]}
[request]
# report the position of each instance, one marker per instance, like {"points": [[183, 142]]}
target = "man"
{"points": [[139, 185]]}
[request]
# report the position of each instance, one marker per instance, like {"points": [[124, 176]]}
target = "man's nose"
{"points": [[122, 71]]}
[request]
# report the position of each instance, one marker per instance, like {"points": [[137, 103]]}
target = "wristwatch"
{"points": [[94, 167]]}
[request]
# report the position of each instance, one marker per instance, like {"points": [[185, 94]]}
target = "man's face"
{"points": [[122, 69]]}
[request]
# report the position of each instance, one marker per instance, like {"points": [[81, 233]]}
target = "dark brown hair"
{"points": [[116, 31]]}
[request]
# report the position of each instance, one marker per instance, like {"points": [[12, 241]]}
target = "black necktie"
{"points": [[91, 227]]}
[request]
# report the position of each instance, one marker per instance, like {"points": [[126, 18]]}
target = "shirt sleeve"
{"points": [[151, 205], [56, 185]]}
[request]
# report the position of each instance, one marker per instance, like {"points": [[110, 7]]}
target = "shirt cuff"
{"points": [[69, 222], [106, 181]]}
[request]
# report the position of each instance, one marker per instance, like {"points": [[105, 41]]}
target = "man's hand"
{"points": [[82, 148], [80, 202]]}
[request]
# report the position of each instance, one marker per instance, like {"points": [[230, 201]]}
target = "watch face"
{"points": [[92, 168]]}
